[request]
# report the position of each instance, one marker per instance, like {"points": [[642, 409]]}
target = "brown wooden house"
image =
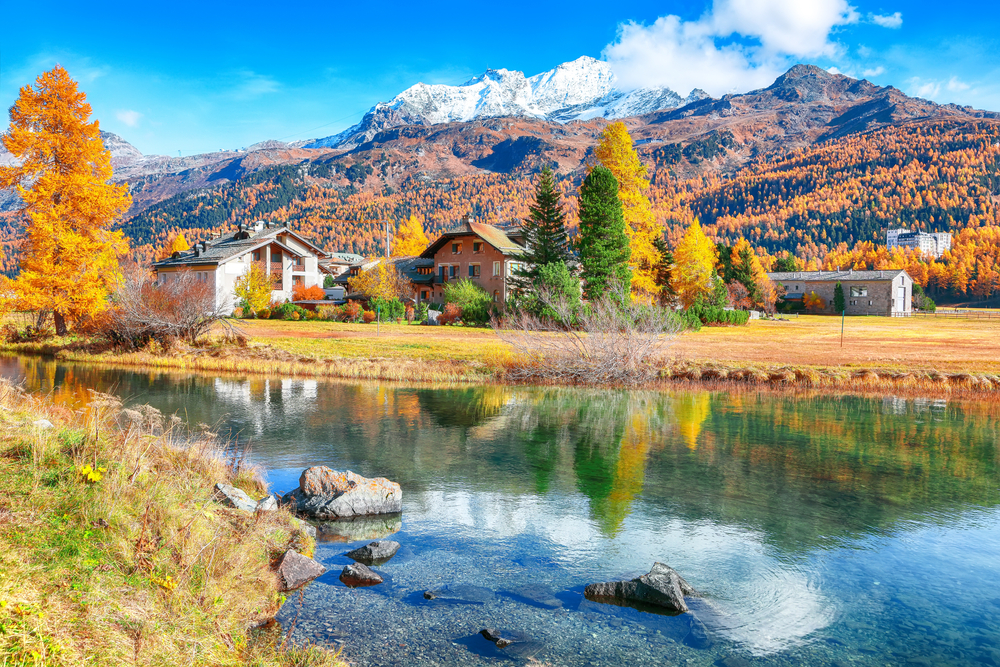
{"points": [[482, 253]]}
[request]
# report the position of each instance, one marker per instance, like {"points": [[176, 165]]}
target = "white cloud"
{"points": [[249, 85], [925, 89], [737, 46], [893, 21], [875, 71], [956, 86], [129, 117]]}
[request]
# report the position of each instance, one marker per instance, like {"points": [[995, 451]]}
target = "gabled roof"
{"points": [[236, 244], [826, 276], [492, 235]]}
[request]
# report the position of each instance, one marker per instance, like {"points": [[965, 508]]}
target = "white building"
{"points": [[933, 244], [288, 257]]}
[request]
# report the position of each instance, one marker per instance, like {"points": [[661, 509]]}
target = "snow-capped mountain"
{"points": [[579, 90]]}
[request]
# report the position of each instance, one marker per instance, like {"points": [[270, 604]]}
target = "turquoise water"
{"points": [[819, 530]]}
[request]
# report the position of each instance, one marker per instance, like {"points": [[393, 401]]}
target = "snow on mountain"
{"points": [[582, 89]]}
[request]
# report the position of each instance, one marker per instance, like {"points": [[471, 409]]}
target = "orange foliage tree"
{"points": [[311, 293], [69, 254], [410, 239], [616, 152]]}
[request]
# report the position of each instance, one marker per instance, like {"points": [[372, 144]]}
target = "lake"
{"points": [[820, 530]]}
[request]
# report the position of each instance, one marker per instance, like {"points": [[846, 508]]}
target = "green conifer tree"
{"points": [[838, 299], [602, 243], [544, 233]]}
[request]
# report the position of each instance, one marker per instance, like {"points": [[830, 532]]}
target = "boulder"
{"points": [[357, 574], [513, 643], [230, 496], [304, 527], [332, 494], [662, 587], [267, 504], [460, 593], [296, 570], [375, 553], [43, 423]]}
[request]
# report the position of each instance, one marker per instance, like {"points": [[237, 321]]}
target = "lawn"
{"points": [[812, 340]]}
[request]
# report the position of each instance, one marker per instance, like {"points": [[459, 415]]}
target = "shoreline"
{"points": [[266, 361]]}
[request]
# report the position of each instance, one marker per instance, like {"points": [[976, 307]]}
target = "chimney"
{"points": [[197, 251], [204, 246]]}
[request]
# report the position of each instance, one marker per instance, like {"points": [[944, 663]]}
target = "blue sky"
{"points": [[198, 77]]}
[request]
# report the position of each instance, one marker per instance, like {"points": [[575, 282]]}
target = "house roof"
{"points": [[827, 276], [235, 244], [492, 235]]}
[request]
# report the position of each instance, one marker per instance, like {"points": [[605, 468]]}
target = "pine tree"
{"points": [[617, 153], [838, 298], [69, 260], [544, 232], [602, 243]]}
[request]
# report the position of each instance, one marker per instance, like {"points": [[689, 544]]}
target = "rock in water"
{"points": [[229, 495], [460, 593], [375, 553], [331, 494], [357, 574], [662, 587], [296, 570]]}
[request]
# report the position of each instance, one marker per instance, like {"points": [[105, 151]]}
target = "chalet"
{"points": [[482, 253], [289, 258], [886, 293]]}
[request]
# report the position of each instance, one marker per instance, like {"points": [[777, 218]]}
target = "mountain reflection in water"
{"points": [[755, 498]]}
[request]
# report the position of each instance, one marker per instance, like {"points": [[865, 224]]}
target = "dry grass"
{"points": [[135, 565]]}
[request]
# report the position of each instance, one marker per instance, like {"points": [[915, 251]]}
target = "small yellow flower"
{"points": [[41, 614], [3, 604]]}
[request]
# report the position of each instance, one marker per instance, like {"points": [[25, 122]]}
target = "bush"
{"points": [[554, 282], [303, 293], [451, 314], [718, 316], [368, 316], [352, 311], [264, 313], [330, 313], [286, 311], [238, 313], [387, 309], [420, 313], [921, 301], [473, 301], [328, 281]]}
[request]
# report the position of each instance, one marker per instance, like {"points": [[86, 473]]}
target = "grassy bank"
{"points": [[112, 553], [941, 355]]}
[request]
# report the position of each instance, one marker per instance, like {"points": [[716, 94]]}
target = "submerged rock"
{"points": [[539, 594], [375, 553], [360, 528], [504, 638], [331, 494], [358, 574], [229, 495], [460, 593], [296, 570], [662, 587]]}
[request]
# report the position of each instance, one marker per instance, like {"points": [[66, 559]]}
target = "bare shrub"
{"points": [[144, 310], [612, 341]]}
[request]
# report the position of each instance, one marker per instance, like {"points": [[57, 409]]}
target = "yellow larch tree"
{"points": [[179, 244], [69, 252], [410, 239], [695, 258], [382, 280], [253, 289], [615, 151]]}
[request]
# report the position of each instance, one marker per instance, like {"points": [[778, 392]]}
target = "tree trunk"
{"points": [[60, 323], [41, 318]]}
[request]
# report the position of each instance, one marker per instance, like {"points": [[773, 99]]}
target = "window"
{"points": [[473, 270], [859, 290], [456, 247], [477, 247], [496, 295], [444, 272], [423, 295], [297, 280], [496, 269], [256, 255]]}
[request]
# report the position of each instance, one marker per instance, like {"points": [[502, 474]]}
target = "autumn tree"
{"points": [[694, 274], [616, 152], [179, 244], [253, 289], [602, 243], [382, 280], [69, 253], [410, 239], [545, 237]]}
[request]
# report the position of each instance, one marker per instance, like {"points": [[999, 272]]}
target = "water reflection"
{"points": [[765, 502]]}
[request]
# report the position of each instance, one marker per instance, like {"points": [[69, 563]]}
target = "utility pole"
{"points": [[842, 315]]}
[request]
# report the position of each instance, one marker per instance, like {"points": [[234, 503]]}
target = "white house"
{"points": [[286, 255]]}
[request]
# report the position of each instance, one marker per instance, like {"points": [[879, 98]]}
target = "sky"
{"points": [[195, 77]]}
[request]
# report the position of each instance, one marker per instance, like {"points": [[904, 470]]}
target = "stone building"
{"points": [[887, 293]]}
